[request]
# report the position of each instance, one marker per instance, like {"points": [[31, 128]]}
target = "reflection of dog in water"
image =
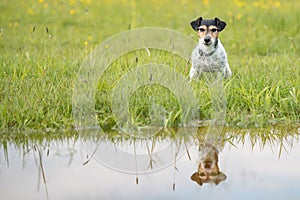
{"points": [[208, 169]]}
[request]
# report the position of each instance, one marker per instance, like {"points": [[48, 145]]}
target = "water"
{"points": [[72, 168]]}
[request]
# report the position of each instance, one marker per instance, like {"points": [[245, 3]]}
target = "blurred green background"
{"points": [[254, 27]]}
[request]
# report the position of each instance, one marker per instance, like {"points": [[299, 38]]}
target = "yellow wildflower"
{"points": [[31, 11], [71, 2], [183, 2], [205, 2], [255, 3], [276, 4], [72, 12], [239, 3]]}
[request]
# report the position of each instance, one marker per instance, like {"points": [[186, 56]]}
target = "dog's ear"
{"points": [[220, 24], [195, 177], [221, 177], [196, 23]]}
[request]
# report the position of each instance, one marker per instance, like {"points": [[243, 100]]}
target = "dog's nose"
{"points": [[206, 40], [207, 164]]}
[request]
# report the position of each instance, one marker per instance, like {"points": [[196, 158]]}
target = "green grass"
{"points": [[42, 44], [278, 138]]}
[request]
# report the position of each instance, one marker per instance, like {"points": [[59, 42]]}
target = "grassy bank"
{"points": [[42, 44]]}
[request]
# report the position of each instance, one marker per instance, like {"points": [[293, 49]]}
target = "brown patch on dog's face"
{"points": [[208, 35], [211, 30]]}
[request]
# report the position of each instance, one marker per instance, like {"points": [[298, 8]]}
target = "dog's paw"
{"points": [[227, 73]]}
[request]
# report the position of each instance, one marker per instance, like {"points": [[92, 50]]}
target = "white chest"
{"points": [[211, 61]]}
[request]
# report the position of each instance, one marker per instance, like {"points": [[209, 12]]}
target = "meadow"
{"points": [[43, 43]]}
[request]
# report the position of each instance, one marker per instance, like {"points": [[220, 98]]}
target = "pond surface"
{"points": [[247, 165]]}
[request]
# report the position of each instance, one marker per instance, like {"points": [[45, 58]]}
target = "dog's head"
{"points": [[208, 169], [208, 30]]}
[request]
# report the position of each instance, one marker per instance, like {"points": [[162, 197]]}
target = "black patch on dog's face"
{"points": [[208, 22]]}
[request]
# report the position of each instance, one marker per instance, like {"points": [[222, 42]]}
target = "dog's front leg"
{"points": [[194, 73], [227, 72]]}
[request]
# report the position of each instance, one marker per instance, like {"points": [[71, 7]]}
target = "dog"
{"points": [[208, 169], [209, 55]]}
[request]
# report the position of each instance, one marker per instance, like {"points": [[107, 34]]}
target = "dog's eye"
{"points": [[213, 30], [213, 174], [201, 29]]}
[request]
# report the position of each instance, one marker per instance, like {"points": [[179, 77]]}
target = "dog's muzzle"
{"points": [[207, 40]]}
